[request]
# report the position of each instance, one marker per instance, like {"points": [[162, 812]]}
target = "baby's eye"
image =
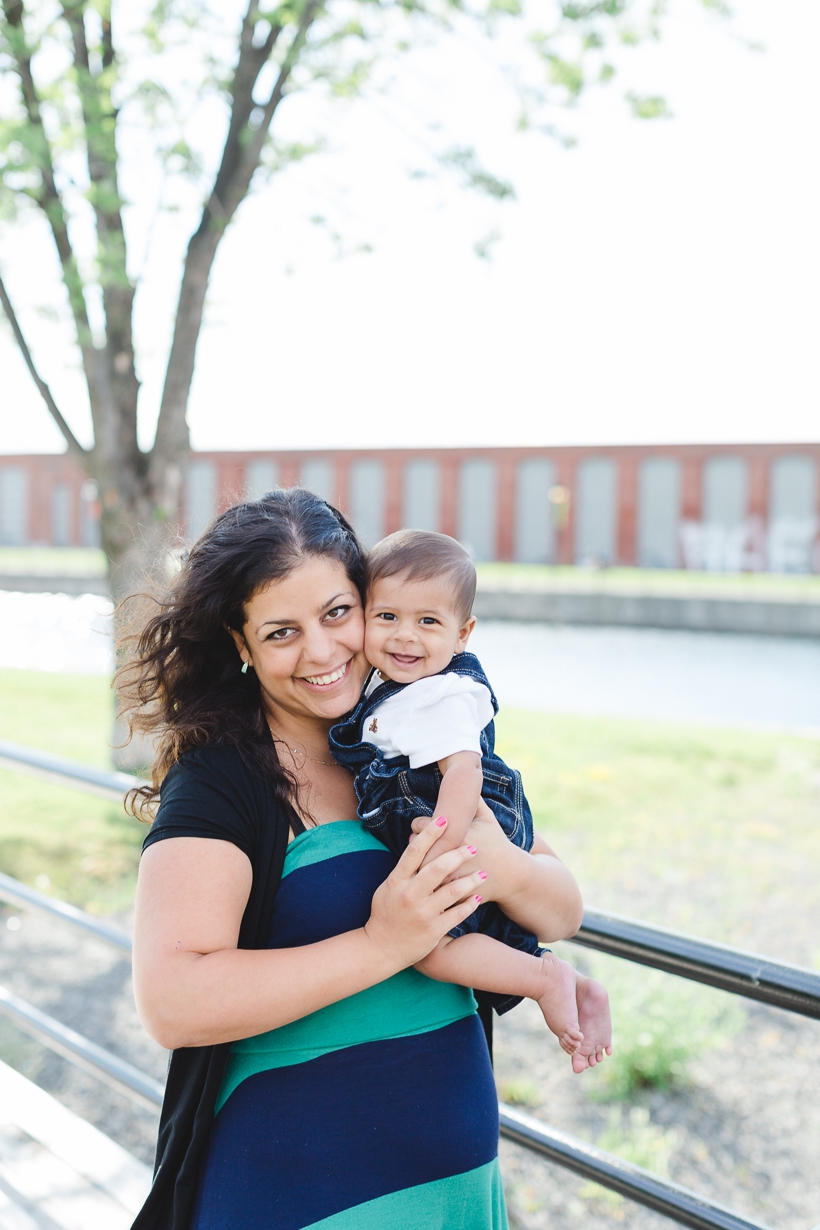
{"points": [[386, 615], [428, 619]]}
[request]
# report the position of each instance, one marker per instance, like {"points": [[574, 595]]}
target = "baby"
{"points": [[421, 742]]}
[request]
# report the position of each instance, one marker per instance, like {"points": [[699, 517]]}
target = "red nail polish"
{"points": [[440, 823], [482, 875], [471, 849], [478, 899]]}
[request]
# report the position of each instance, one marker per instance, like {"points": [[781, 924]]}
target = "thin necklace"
{"points": [[315, 759]]}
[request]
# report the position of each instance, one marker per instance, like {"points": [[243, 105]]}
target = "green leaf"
{"points": [[465, 160], [648, 106]]}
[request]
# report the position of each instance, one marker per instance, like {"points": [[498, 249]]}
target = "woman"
{"points": [[317, 1078]]}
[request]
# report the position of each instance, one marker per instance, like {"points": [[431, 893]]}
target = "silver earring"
{"points": [[245, 668]]}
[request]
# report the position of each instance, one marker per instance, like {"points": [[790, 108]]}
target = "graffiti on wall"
{"points": [[787, 544]]}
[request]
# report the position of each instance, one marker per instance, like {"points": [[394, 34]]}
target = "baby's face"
{"points": [[411, 627]]}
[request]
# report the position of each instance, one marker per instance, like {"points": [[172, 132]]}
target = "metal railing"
{"points": [[25, 898], [637, 1184], [101, 782], [785, 986], [116, 1072], [718, 965]]}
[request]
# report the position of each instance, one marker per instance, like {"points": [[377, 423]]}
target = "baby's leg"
{"points": [[488, 965], [593, 1015]]}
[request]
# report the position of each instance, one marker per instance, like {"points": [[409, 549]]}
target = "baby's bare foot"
{"points": [[557, 1001], [594, 1021]]}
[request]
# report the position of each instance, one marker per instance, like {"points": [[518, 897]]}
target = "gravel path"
{"points": [[86, 985], [744, 1129]]}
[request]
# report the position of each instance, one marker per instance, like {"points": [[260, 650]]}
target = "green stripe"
{"points": [[471, 1201], [406, 1004], [328, 841]]}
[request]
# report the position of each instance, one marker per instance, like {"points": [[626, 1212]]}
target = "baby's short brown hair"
{"points": [[421, 555]]}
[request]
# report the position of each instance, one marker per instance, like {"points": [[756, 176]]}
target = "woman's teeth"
{"points": [[325, 679]]}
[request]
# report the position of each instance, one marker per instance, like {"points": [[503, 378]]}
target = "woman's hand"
{"points": [[414, 908], [195, 988]]}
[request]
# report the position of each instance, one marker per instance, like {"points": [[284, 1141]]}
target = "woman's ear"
{"points": [[464, 634], [241, 645]]}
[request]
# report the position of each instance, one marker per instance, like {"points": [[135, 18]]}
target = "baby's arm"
{"points": [[458, 798]]}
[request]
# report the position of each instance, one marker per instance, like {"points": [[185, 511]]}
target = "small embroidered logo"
{"points": [[374, 725]]}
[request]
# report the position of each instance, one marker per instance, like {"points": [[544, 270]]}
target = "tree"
{"points": [[60, 153]]}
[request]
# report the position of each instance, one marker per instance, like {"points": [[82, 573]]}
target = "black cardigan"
{"points": [[214, 792]]}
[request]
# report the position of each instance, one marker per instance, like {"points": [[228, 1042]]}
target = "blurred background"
{"points": [[543, 278]]}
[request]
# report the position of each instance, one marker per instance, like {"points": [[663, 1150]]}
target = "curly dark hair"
{"points": [[181, 682]]}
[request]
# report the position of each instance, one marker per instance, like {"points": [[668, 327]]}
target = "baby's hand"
{"points": [[448, 841]]}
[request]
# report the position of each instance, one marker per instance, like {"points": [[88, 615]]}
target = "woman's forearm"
{"points": [[195, 988], [200, 999]]}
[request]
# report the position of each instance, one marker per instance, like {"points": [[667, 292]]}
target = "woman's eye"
{"points": [[337, 612], [281, 634]]}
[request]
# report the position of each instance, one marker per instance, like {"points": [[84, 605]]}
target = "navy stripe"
{"points": [[327, 898], [293, 1145]]}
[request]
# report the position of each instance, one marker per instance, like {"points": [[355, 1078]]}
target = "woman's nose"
{"points": [[319, 646]]}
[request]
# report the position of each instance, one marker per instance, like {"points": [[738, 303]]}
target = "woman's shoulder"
{"points": [[215, 791]]}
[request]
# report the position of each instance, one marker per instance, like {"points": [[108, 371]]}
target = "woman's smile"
{"points": [[326, 681]]}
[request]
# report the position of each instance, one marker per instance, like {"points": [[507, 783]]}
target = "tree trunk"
{"points": [[139, 530]]}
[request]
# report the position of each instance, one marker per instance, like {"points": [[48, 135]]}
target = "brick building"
{"points": [[720, 507]]}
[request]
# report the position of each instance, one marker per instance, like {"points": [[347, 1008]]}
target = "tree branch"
{"points": [[240, 159], [99, 120], [50, 201], [74, 447]]}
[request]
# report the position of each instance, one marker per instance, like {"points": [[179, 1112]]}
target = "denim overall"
{"points": [[391, 795]]}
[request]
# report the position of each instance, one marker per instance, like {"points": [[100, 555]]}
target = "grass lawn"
{"points": [[709, 830], [648, 580], [57, 561], [88, 848]]}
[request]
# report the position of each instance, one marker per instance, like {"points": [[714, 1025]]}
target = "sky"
{"points": [[658, 282]]}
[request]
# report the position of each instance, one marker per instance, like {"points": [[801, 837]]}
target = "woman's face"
{"points": [[304, 637]]}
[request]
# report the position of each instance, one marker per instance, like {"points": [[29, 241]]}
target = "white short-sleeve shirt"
{"points": [[430, 719]]}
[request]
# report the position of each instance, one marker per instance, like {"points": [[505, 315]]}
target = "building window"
{"points": [[534, 513], [13, 506], [61, 515], [477, 508], [261, 477], [596, 512], [422, 483], [792, 514], [317, 476], [367, 500], [200, 497], [659, 505], [90, 514]]}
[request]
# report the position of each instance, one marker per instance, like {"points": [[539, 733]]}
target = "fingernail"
{"points": [[478, 899], [482, 875], [471, 849], [440, 823]]}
